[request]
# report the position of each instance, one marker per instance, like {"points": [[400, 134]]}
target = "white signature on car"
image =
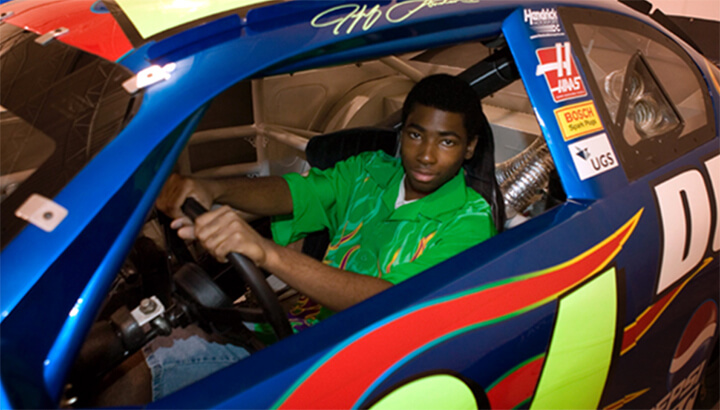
{"points": [[357, 13]]}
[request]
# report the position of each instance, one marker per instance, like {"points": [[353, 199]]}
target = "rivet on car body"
{"points": [[41, 212], [50, 35], [147, 77]]}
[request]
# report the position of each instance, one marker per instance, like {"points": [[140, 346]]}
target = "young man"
{"points": [[389, 218]]}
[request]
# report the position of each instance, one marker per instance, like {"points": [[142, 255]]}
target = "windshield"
{"points": [[22, 150], [59, 107]]}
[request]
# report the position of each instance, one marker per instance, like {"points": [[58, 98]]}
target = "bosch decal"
{"points": [[685, 207], [578, 119], [544, 22], [593, 156], [558, 66]]}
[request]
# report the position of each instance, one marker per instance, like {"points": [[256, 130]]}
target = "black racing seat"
{"points": [[324, 151]]}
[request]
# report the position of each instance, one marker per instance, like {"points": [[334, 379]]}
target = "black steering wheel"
{"points": [[253, 277]]}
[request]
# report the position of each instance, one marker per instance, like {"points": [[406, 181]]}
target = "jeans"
{"points": [[184, 357]]}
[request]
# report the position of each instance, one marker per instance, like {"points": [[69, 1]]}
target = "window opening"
{"points": [[648, 111], [652, 97]]}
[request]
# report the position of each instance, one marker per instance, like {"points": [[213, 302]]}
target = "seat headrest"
{"points": [[324, 151]]}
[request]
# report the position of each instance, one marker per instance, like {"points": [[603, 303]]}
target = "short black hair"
{"points": [[448, 93]]}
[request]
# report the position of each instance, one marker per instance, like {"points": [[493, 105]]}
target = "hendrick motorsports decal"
{"points": [[578, 119], [593, 156], [544, 22], [558, 66]]}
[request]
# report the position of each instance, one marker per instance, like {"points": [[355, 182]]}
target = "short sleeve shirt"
{"points": [[355, 201]]}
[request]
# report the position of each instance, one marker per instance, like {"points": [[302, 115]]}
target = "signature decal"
{"points": [[348, 16]]}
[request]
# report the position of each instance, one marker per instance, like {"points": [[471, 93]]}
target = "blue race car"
{"points": [[601, 292]]}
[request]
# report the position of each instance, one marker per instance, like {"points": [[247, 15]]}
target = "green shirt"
{"points": [[355, 200]]}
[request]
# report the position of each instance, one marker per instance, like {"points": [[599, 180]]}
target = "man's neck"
{"points": [[402, 195]]}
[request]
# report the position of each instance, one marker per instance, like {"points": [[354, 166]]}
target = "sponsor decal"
{"points": [[695, 343], [558, 66], [347, 17], [593, 156], [578, 119], [685, 206], [637, 329], [683, 395], [434, 322], [544, 22]]}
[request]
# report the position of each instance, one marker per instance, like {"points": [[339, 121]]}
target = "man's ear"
{"points": [[470, 151]]}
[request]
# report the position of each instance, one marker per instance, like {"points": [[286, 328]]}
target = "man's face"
{"points": [[434, 144]]}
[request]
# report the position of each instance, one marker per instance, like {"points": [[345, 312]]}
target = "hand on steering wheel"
{"points": [[253, 277]]}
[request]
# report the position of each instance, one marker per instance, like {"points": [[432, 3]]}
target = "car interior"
{"points": [[287, 123]]}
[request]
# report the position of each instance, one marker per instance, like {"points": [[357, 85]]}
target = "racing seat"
{"points": [[324, 151]]}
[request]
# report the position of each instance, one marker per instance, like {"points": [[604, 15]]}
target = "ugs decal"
{"points": [[558, 66], [593, 156], [685, 204]]}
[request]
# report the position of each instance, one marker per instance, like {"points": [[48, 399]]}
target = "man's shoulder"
{"points": [[377, 164], [474, 202], [376, 158], [474, 217]]}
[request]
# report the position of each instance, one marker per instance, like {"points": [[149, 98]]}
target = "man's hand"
{"points": [[177, 189], [223, 231]]}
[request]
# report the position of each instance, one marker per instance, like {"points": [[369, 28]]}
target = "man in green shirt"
{"points": [[389, 218], [362, 201], [379, 236]]}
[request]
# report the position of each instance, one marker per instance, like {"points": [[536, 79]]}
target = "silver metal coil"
{"points": [[523, 177]]}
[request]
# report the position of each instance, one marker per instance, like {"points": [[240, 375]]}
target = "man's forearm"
{"points": [[333, 288]]}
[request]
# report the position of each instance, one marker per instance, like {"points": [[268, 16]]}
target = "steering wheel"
{"points": [[253, 277]]}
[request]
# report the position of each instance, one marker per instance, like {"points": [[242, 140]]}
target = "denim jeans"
{"points": [[184, 357]]}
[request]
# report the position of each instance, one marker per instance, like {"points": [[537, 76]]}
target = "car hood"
{"points": [[91, 26]]}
